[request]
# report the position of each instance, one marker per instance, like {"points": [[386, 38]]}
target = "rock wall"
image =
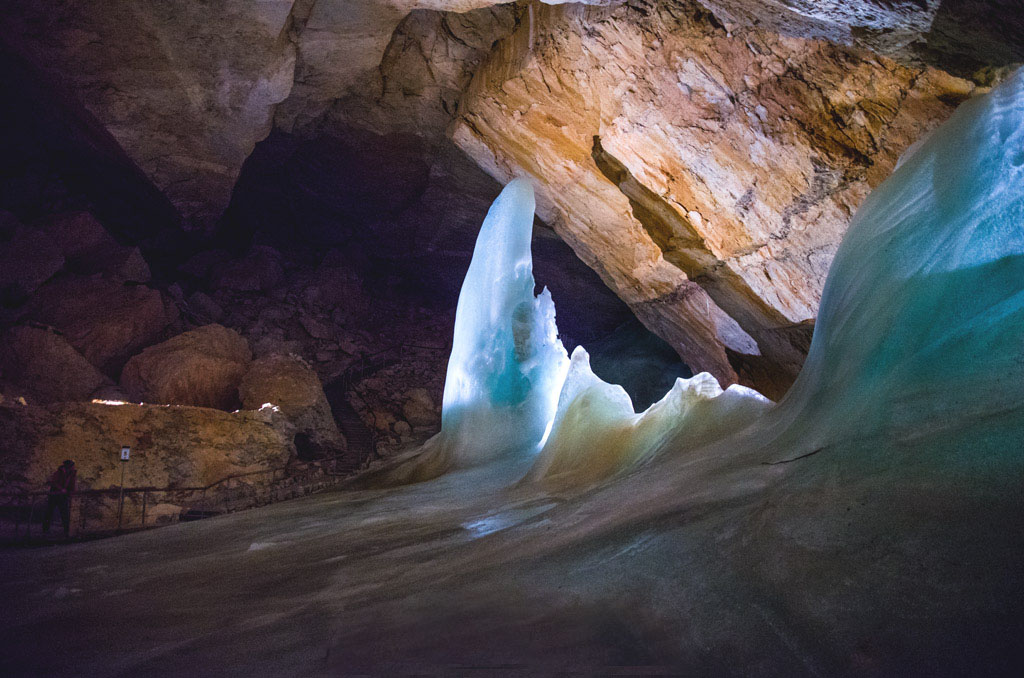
{"points": [[706, 174], [171, 445]]}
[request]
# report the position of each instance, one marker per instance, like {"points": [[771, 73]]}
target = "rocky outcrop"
{"points": [[27, 260], [88, 248], [707, 175], [171, 446], [959, 36], [105, 320], [419, 409], [201, 367], [40, 364], [287, 382], [185, 88]]}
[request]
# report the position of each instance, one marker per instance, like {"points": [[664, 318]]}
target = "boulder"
{"points": [[260, 270], [42, 365], [289, 383], [419, 408], [204, 306], [27, 260], [88, 248], [202, 367], [105, 320], [77, 234]]}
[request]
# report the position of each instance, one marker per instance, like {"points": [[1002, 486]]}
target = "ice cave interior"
{"points": [[623, 337]]}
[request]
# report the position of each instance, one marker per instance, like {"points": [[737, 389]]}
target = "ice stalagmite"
{"points": [[507, 363]]}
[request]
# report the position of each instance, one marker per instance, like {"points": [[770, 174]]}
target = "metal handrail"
{"points": [[27, 499], [171, 488]]}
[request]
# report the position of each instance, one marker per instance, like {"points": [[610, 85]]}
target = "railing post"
{"points": [[81, 515], [145, 497], [17, 516], [31, 513]]}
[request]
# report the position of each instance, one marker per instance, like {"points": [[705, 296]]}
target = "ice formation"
{"points": [[510, 387], [927, 281], [507, 363], [921, 315], [596, 433]]}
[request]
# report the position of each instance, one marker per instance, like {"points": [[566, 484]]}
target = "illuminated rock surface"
{"points": [[287, 382], [201, 367]]}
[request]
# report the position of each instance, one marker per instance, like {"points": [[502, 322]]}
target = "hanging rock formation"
{"points": [[699, 169]]}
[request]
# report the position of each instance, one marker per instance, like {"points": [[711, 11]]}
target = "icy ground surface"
{"points": [[716, 564], [870, 524]]}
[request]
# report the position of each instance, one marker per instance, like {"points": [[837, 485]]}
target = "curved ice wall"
{"points": [[596, 433], [922, 314]]}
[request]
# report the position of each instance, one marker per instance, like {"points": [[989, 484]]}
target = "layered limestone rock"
{"points": [[201, 367], [171, 446], [287, 382], [705, 174], [958, 36]]}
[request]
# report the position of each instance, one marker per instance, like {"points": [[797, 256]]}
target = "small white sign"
{"points": [[125, 453]]}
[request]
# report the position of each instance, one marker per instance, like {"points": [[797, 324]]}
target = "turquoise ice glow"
{"points": [[507, 364]]}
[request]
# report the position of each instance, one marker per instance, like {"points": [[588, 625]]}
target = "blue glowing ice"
{"points": [[507, 363], [921, 315]]}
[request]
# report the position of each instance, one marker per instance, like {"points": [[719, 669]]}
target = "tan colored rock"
{"points": [[105, 320], [669, 152], [171, 446], [419, 408], [40, 364], [202, 367], [287, 382]]}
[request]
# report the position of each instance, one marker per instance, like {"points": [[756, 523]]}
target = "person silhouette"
{"points": [[62, 484]]}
